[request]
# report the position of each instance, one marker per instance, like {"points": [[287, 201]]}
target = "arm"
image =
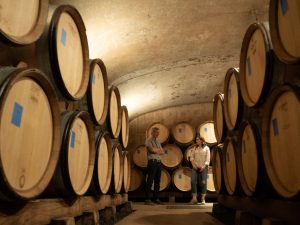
{"points": [[207, 160]]}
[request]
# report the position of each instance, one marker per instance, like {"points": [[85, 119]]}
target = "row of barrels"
{"points": [[53, 39], [183, 133], [180, 179], [259, 110]]}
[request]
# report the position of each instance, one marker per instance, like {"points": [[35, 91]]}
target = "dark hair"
{"points": [[202, 140]]}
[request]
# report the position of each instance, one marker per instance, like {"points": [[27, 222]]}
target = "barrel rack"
{"points": [[106, 209], [277, 211]]}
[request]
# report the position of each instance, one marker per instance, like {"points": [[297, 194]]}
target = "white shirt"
{"points": [[201, 156]]}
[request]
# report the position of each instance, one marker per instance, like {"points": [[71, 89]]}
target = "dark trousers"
{"points": [[203, 180], [154, 172]]}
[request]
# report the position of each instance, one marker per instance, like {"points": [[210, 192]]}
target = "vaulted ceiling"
{"points": [[164, 53]]}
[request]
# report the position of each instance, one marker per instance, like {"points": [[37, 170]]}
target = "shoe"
{"points": [[148, 202], [202, 202], [158, 202], [193, 202]]}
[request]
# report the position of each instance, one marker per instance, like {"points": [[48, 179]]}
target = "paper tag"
{"points": [[73, 135], [205, 129], [244, 146], [249, 66], [275, 127], [93, 78], [17, 113], [63, 38], [179, 176], [284, 6]]}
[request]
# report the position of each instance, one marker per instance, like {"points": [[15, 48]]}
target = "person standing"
{"points": [[154, 151], [200, 158]]}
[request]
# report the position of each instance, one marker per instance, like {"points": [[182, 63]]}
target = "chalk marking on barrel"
{"points": [[73, 136], [63, 38], [17, 114], [275, 127]]}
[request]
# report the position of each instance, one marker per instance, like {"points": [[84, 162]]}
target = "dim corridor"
{"points": [[170, 214]]}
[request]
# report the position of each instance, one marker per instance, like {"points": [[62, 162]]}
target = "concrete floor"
{"points": [[183, 214]]}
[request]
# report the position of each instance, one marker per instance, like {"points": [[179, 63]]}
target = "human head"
{"points": [[155, 132], [200, 141]]}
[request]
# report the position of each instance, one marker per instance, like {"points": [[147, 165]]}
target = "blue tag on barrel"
{"points": [[16, 118], [93, 78], [73, 136], [63, 38], [284, 6], [205, 129], [275, 127]]}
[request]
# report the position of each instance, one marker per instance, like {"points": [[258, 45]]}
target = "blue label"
{"points": [[93, 78], [205, 129], [73, 135], [229, 92], [180, 130], [275, 127], [179, 176], [63, 37], [249, 66], [284, 6], [244, 146], [17, 115]]}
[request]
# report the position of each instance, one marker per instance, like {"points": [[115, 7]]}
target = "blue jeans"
{"points": [[154, 172], [203, 180]]}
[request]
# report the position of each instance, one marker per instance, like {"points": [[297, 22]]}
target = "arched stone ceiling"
{"points": [[163, 53]]}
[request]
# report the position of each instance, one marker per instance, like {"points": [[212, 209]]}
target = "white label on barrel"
{"points": [[275, 127], [249, 66], [284, 6], [17, 115], [63, 37], [205, 129], [179, 176], [228, 157], [73, 136], [244, 146], [93, 78]]}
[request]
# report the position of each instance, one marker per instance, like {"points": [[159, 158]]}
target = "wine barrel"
{"points": [[74, 172], [284, 22], [218, 175], [280, 140], [181, 178], [118, 168], [229, 166], [183, 133], [210, 180], [114, 115], [103, 165], [219, 118], [207, 131], [164, 133], [124, 127], [62, 52], [126, 172], [165, 180], [256, 63], [96, 98], [172, 157], [137, 179], [233, 105], [29, 133], [249, 158], [22, 22], [139, 156], [188, 153]]}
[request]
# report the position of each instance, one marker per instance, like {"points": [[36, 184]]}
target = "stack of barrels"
{"points": [[176, 172], [257, 120], [62, 130]]}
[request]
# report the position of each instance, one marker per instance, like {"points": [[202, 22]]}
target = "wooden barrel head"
{"points": [[78, 155], [115, 112], [172, 157], [26, 134], [104, 163], [218, 116], [118, 168], [207, 131], [139, 156], [229, 167], [284, 23], [164, 133], [254, 63], [126, 172], [281, 128], [183, 133], [210, 180], [125, 127], [217, 168], [137, 179], [182, 178], [22, 22], [165, 180], [98, 90]]}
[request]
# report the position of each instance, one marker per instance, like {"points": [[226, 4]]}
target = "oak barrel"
{"points": [[256, 64], [139, 156], [164, 132], [207, 131], [183, 133], [219, 118], [218, 175], [284, 19], [137, 179], [22, 22], [173, 156], [124, 126], [210, 180], [114, 113], [280, 140], [118, 168], [126, 172], [181, 178], [29, 133]]}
